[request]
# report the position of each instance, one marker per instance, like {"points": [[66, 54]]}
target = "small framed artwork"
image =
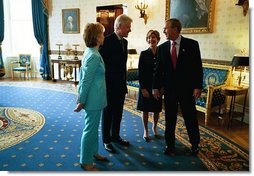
{"points": [[196, 16], [70, 21]]}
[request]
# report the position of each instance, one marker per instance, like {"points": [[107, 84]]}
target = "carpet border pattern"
{"points": [[16, 119]]}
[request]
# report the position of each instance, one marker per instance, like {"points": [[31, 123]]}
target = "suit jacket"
{"points": [[115, 55], [92, 84], [188, 74], [146, 64]]}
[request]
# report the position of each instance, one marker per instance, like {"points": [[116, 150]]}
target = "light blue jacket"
{"points": [[92, 84]]}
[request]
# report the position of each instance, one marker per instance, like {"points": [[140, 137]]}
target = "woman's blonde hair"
{"points": [[91, 33], [153, 32]]}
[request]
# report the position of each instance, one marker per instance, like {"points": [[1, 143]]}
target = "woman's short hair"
{"points": [[91, 33], [122, 19], [153, 32]]}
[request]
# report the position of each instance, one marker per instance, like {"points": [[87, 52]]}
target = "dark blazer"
{"points": [[115, 62], [188, 74], [146, 66]]}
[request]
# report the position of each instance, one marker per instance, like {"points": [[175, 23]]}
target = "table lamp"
{"points": [[132, 52], [240, 62]]}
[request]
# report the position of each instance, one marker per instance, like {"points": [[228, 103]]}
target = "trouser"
{"points": [[89, 139], [111, 119], [187, 105]]}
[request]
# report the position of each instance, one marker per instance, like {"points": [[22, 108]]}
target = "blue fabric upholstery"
{"points": [[132, 78], [20, 69], [213, 76], [24, 59], [217, 100]]}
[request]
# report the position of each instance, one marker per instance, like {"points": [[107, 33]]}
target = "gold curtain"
{"points": [[46, 6]]}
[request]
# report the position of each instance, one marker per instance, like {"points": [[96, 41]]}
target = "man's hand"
{"points": [[197, 93]]}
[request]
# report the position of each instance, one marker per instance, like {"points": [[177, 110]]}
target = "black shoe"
{"points": [[146, 139], [194, 150], [168, 151], [121, 142], [109, 147]]}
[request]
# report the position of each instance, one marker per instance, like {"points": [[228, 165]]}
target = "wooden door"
{"points": [[106, 15]]}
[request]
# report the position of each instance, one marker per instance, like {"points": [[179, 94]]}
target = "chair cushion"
{"points": [[133, 83], [20, 69]]}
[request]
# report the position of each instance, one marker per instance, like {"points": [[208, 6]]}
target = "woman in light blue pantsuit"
{"points": [[91, 95]]}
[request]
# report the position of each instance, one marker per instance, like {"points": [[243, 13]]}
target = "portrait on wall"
{"points": [[70, 21], [196, 16]]}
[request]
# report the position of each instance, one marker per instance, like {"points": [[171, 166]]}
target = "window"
{"points": [[19, 35]]}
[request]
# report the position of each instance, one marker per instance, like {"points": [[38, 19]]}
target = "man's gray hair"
{"points": [[122, 19]]}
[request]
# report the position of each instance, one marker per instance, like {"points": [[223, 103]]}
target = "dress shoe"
{"points": [[89, 167], [121, 142], [194, 150], [100, 158], [109, 147], [168, 151], [146, 139]]}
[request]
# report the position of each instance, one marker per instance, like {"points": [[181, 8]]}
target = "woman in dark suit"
{"points": [[146, 102]]}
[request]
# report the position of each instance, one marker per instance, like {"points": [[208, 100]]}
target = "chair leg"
{"points": [[12, 74], [206, 118]]}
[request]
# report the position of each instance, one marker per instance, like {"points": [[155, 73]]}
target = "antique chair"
{"points": [[23, 65], [214, 78]]}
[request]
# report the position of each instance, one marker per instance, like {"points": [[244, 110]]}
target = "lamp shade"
{"points": [[240, 61], [132, 51]]}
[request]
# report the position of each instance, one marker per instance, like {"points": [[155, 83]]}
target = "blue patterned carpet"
{"points": [[55, 147]]}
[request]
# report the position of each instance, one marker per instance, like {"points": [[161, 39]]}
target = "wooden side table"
{"points": [[76, 64], [232, 92]]}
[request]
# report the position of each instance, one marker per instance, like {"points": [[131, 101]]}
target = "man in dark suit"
{"points": [[181, 79], [114, 53]]}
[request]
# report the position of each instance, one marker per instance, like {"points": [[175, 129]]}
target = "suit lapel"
{"points": [[181, 49], [118, 43], [120, 47]]}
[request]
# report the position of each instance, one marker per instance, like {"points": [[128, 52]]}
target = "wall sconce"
{"points": [[241, 62], [245, 5], [132, 52], [142, 6]]}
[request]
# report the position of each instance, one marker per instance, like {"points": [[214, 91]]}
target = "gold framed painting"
{"points": [[70, 21], [196, 16]]}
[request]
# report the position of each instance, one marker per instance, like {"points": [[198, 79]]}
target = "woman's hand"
{"points": [[145, 93], [78, 108]]}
